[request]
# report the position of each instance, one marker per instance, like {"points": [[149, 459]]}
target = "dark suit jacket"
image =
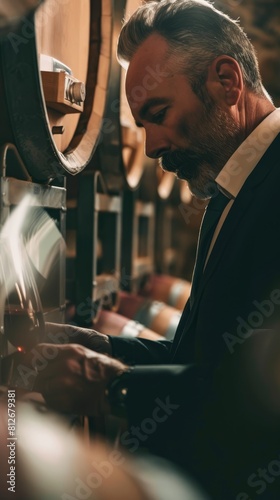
{"points": [[241, 277], [239, 292]]}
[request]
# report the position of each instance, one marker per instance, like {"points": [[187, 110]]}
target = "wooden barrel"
{"points": [[116, 324], [169, 289], [154, 314], [54, 84]]}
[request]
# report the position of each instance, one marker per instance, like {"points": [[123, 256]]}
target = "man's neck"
{"points": [[251, 111]]}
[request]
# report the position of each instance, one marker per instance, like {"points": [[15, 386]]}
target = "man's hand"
{"points": [[56, 333], [75, 380]]}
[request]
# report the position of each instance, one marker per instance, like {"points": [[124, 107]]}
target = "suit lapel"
{"points": [[236, 213], [239, 208]]}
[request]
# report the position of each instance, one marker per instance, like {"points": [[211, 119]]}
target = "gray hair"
{"points": [[196, 33]]}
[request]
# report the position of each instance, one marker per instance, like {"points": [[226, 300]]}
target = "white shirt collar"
{"points": [[243, 161]]}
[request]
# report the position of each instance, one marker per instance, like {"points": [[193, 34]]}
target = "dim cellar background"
{"points": [[98, 235]]}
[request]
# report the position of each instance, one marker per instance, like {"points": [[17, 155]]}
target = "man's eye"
{"points": [[159, 116]]}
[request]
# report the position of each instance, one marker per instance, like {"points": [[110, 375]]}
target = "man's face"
{"points": [[191, 137]]}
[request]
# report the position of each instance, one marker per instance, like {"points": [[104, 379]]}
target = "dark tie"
{"points": [[210, 220]]}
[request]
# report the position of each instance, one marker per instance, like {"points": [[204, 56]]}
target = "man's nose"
{"points": [[155, 145]]}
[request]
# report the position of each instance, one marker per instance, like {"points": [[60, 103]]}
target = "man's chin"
{"points": [[202, 185], [198, 194], [197, 191], [203, 191], [180, 176]]}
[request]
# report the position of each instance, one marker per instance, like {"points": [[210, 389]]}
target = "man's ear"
{"points": [[225, 80]]}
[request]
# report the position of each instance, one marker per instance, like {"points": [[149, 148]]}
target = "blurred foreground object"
{"points": [[53, 463]]}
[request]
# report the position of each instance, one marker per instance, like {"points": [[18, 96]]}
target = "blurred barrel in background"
{"points": [[112, 323], [169, 289], [154, 314]]}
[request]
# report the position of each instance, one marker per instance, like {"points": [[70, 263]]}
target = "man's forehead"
{"points": [[151, 54]]}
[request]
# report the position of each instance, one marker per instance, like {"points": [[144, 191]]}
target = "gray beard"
{"points": [[213, 143]]}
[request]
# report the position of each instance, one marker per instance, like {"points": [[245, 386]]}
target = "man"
{"points": [[193, 83]]}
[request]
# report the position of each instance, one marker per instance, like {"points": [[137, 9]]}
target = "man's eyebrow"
{"points": [[144, 110]]}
